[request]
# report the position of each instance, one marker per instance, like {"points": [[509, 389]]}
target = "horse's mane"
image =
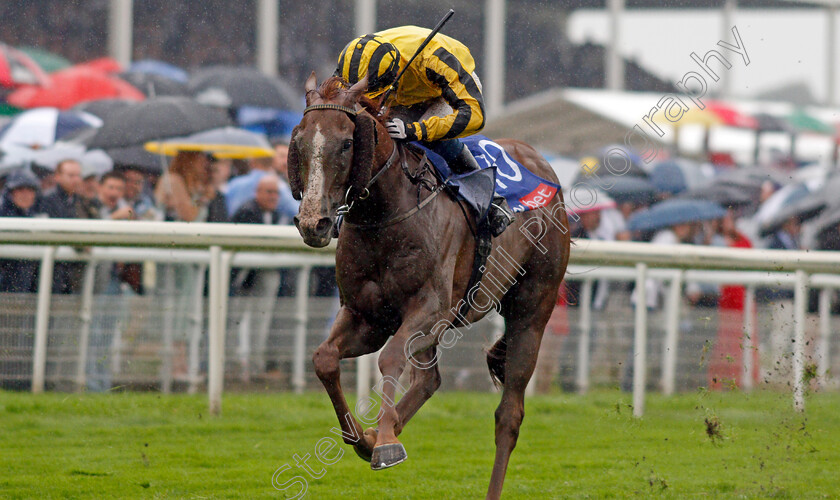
{"points": [[331, 89]]}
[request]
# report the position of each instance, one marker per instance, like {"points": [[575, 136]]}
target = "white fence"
{"points": [[222, 246]]}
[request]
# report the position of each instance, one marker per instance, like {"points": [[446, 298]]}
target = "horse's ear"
{"points": [[364, 145], [311, 83], [293, 162], [357, 89]]}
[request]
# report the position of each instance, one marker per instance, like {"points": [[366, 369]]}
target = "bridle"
{"points": [[350, 200]]}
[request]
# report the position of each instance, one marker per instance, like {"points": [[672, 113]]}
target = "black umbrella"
{"points": [[727, 196], [103, 108], [156, 119], [137, 157], [154, 85], [769, 123], [754, 177], [805, 207], [234, 87], [827, 221], [627, 188]]}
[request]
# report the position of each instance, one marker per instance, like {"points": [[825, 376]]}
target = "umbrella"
{"points": [[160, 68], [626, 188], [225, 142], [730, 116], [17, 69], [157, 119], [801, 121], [48, 61], [784, 198], [768, 123], [271, 122], [71, 86], [154, 85], [727, 196], [618, 159], [696, 116], [827, 221], [40, 128], [103, 108], [587, 201], [805, 208], [672, 212], [138, 157], [677, 175], [754, 177], [233, 87]]}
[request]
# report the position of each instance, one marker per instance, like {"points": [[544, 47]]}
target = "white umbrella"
{"points": [[42, 127]]}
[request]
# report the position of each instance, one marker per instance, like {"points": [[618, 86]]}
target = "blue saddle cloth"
{"points": [[522, 189]]}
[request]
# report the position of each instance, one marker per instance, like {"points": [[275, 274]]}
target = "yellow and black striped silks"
{"points": [[445, 68]]}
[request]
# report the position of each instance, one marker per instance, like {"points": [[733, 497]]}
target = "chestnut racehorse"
{"points": [[403, 262]]}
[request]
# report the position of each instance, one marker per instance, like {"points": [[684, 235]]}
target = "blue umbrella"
{"points": [[674, 211], [159, 68], [269, 121], [676, 176], [627, 188]]}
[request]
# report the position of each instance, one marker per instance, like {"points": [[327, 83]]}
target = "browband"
{"points": [[338, 107]]}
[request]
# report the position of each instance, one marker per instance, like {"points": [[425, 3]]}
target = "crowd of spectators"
{"points": [[738, 227], [192, 190]]}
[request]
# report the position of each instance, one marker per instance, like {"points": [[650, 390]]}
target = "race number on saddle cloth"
{"points": [[522, 189]]}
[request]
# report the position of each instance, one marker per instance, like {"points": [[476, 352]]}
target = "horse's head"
{"points": [[331, 151]]}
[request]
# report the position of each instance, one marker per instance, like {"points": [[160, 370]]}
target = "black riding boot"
{"points": [[500, 216]]}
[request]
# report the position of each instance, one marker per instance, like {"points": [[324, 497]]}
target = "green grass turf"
{"points": [[710, 445]]}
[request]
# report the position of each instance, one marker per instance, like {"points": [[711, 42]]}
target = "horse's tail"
{"points": [[496, 362]]}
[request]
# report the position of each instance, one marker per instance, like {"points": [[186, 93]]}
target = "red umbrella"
{"points": [[731, 116], [17, 69], [103, 64], [70, 86]]}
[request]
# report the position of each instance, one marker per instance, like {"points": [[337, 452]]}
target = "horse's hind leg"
{"points": [[520, 345], [350, 337]]}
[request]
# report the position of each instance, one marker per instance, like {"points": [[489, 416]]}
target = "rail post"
{"points": [[42, 320], [640, 341]]}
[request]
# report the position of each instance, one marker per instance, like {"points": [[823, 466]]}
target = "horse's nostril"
{"points": [[323, 225]]}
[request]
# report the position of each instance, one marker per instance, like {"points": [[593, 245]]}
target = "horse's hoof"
{"points": [[369, 438], [388, 455], [363, 454]]}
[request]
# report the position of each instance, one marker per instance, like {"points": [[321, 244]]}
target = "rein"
{"points": [[348, 203], [415, 179]]}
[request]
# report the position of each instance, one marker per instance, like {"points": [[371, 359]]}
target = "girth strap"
{"points": [[483, 247]]}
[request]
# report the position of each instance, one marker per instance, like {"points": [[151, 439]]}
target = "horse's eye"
{"points": [[347, 145]]}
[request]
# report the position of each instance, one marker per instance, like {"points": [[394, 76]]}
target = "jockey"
{"points": [[443, 71]]}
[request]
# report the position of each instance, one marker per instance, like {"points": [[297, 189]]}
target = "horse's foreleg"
{"points": [[520, 360], [425, 380], [350, 337], [408, 341]]}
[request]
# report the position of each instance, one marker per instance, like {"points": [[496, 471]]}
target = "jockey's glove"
{"points": [[398, 129]]}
